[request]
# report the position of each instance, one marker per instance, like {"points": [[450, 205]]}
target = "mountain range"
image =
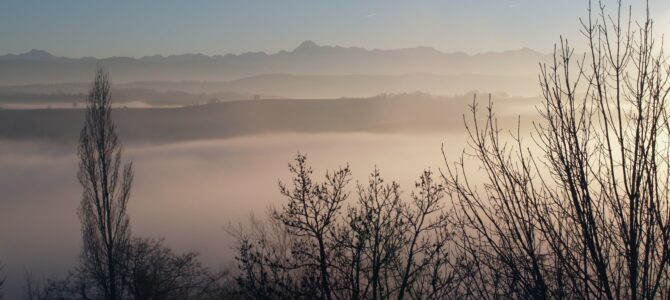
{"points": [[309, 58]]}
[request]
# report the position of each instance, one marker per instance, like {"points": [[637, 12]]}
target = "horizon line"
{"points": [[305, 43]]}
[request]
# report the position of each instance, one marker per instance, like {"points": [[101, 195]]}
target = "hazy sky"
{"points": [[145, 27]]}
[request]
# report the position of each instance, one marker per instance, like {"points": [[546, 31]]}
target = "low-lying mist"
{"points": [[184, 192]]}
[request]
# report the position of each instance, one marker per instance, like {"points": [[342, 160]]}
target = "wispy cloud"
{"points": [[514, 5], [371, 15]]}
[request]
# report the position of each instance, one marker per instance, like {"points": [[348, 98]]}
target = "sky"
{"points": [[77, 28]]}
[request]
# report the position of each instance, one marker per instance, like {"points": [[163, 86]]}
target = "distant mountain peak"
{"points": [[529, 51], [37, 51], [34, 53], [306, 46]]}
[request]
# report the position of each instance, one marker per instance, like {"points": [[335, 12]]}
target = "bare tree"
{"points": [[589, 216], [427, 238], [106, 190], [398, 248], [380, 214], [312, 211], [268, 268], [496, 223], [383, 247]]}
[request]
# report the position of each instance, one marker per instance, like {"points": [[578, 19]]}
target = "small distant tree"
{"points": [[74, 286], [154, 271], [106, 183], [2, 283]]}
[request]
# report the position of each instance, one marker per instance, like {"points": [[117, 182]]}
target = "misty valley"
{"points": [[210, 166], [173, 150]]}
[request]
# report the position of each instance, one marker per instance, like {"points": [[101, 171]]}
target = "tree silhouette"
{"points": [[154, 271], [380, 214], [113, 265], [311, 211], [106, 185], [2, 283], [382, 246], [587, 215]]}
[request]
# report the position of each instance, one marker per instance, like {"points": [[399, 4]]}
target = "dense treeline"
{"points": [[585, 215]]}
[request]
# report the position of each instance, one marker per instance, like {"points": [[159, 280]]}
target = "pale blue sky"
{"points": [[146, 27]]}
